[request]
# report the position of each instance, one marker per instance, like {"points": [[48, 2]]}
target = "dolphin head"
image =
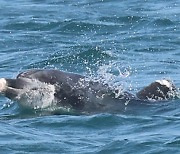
{"points": [[158, 90]]}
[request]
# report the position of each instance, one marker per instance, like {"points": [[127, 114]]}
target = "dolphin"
{"points": [[41, 88]]}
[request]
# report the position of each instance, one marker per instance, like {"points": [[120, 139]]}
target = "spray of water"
{"points": [[37, 95], [114, 74]]}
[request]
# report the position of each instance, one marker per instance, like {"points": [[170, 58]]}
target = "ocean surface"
{"points": [[127, 43]]}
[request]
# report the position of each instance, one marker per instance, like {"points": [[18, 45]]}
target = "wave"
{"points": [[80, 56], [154, 50], [122, 19], [163, 22], [63, 26]]}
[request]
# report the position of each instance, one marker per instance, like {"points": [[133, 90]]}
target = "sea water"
{"points": [[125, 43]]}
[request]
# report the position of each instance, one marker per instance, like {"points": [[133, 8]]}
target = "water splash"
{"points": [[114, 74], [7, 105], [37, 95]]}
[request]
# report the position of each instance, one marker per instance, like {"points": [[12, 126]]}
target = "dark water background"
{"points": [[127, 42]]}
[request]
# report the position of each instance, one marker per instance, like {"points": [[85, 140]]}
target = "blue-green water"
{"points": [[129, 43]]}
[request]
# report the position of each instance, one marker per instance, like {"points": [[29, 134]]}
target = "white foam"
{"points": [[37, 96], [3, 84], [165, 83]]}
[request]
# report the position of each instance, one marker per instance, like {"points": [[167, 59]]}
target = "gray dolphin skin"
{"points": [[44, 88]]}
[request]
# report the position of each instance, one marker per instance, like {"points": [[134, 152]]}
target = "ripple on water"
{"points": [[137, 39]]}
